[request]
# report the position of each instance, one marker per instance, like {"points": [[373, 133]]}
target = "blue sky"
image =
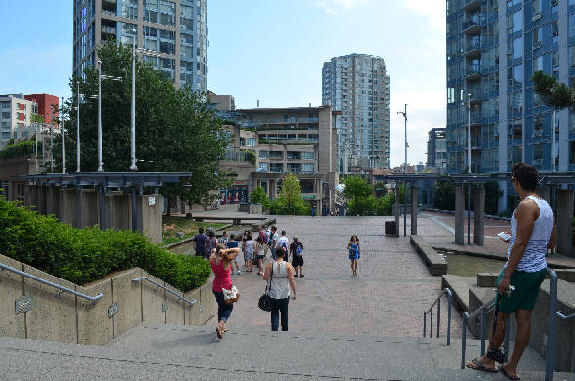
{"points": [[271, 50]]}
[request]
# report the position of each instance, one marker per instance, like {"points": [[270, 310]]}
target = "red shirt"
{"points": [[222, 277]]}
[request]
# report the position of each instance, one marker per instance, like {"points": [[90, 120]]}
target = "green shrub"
{"points": [[89, 254], [300, 207], [20, 149], [258, 196]]}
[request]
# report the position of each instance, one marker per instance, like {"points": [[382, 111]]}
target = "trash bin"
{"points": [[389, 227]]}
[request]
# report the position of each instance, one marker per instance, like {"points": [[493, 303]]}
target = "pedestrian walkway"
{"points": [[387, 298]]}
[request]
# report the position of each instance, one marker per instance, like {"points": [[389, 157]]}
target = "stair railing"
{"points": [[61, 288], [180, 297], [429, 312]]}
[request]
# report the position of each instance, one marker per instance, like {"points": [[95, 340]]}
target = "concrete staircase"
{"points": [[188, 352]]}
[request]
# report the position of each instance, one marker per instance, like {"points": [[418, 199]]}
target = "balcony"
{"points": [[473, 49], [471, 5], [471, 26], [473, 72]]}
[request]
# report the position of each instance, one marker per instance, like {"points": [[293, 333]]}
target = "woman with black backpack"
{"points": [[296, 250]]}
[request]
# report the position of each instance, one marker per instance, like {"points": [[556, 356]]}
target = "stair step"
{"points": [[175, 352]]}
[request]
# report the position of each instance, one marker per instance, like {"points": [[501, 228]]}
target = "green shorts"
{"points": [[526, 291]]}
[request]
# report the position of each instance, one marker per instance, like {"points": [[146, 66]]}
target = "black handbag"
{"points": [[265, 301]]}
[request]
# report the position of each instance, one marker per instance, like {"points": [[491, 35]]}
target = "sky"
{"points": [[267, 50]]}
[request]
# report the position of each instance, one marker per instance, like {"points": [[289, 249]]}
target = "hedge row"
{"points": [[23, 148], [89, 254]]}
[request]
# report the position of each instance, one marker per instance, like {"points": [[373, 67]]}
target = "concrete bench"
{"points": [[435, 263]]}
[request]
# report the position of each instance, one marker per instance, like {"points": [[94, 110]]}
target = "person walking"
{"points": [[296, 250], [532, 232], [274, 241], [354, 253], [220, 262], [283, 241], [259, 250], [249, 252], [200, 241], [233, 243], [211, 243], [224, 238], [281, 274]]}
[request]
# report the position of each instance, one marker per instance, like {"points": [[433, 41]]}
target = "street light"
{"points": [[404, 113], [78, 127], [133, 166], [63, 138], [469, 167], [100, 77]]}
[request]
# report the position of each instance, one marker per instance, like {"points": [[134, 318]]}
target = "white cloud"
{"points": [[333, 7], [434, 10]]}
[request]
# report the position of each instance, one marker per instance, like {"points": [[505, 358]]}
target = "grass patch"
{"points": [[187, 226]]}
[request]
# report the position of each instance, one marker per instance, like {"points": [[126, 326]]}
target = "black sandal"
{"points": [[481, 366]]}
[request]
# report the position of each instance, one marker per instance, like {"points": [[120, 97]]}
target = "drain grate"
{"points": [[24, 304]]}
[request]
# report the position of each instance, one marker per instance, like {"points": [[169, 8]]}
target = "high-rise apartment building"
{"points": [[358, 86], [437, 150], [15, 117], [171, 35], [493, 48]]}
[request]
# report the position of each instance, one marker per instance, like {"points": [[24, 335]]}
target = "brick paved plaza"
{"points": [[387, 298]]}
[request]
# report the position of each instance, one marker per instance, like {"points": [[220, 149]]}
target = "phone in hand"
{"points": [[504, 236]]}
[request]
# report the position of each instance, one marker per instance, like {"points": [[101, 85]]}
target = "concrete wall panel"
{"points": [[152, 299], [176, 307], [89, 203], [50, 306], [128, 296], [94, 326], [11, 287], [205, 308]]}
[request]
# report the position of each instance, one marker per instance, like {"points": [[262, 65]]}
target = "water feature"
{"points": [[468, 265]]}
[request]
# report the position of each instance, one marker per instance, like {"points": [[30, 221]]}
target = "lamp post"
{"points": [[52, 144], [100, 163], [469, 167], [133, 166], [404, 113], [63, 137], [78, 128]]}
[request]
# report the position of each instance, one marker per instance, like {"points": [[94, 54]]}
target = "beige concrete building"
{"points": [[268, 143]]}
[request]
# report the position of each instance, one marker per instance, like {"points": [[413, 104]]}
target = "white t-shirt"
{"points": [[284, 241]]}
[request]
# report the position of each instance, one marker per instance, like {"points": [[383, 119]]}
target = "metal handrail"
{"points": [[93, 299], [190, 302], [446, 291]]}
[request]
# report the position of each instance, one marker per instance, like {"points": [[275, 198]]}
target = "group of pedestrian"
{"points": [[275, 268]]}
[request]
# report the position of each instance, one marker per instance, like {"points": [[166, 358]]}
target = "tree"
{"points": [[176, 130], [290, 201], [258, 196], [358, 192]]}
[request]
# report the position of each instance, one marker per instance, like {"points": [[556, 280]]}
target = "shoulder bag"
{"points": [[265, 301]]}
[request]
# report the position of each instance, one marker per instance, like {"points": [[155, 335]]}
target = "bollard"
{"points": [[438, 318], [449, 304], [464, 339], [424, 324], [482, 332]]}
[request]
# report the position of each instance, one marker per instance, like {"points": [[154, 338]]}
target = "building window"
{"points": [[151, 11], [265, 166], [130, 9], [572, 152], [308, 155], [186, 17], [308, 167], [571, 25], [167, 13], [263, 154]]}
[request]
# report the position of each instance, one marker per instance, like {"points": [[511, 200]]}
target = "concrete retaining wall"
{"points": [[66, 318], [436, 264]]}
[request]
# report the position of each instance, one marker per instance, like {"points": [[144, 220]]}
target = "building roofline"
{"points": [[282, 109]]}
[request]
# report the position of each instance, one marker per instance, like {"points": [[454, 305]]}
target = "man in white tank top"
{"points": [[532, 233]]}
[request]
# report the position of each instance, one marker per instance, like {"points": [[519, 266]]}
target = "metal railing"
{"points": [[447, 292], [93, 299], [190, 302], [551, 327]]}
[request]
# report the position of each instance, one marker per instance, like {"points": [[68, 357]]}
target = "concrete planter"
{"points": [[71, 319]]}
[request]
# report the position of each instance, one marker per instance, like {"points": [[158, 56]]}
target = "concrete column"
{"points": [[52, 200], [67, 211], [42, 199], [396, 210], [89, 207], [150, 216], [564, 215], [459, 214], [479, 216], [414, 201]]}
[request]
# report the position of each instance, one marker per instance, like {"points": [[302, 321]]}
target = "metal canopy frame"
{"points": [[545, 178], [106, 179]]}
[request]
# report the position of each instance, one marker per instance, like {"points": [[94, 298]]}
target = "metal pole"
{"points": [[464, 339], [551, 325], [438, 318], [482, 335], [553, 140], [78, 128], [52, 145], [449, 304], [63, 138], [405, 172], [469, 168], [424, 324], [100, 163], [133, 166]]}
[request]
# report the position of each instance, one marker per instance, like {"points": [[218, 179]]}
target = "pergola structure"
{"points": [[107, 199], [562, 182]]}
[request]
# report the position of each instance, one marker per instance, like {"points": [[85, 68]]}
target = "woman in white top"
{"points": [[259, 250], [281, 274]]}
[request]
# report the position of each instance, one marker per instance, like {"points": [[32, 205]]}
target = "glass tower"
{"points": [[493, 48], [358, 86], [171, 35]]}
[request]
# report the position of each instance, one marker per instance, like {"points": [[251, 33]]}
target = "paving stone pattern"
{"points": [[387, 298]]}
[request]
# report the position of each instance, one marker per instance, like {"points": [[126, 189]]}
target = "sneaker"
{"points": [[301, 276], [239, 273], [219, 332], [295, 275]]}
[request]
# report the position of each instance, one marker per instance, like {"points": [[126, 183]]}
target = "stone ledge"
{"points": [[436, 264]]}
